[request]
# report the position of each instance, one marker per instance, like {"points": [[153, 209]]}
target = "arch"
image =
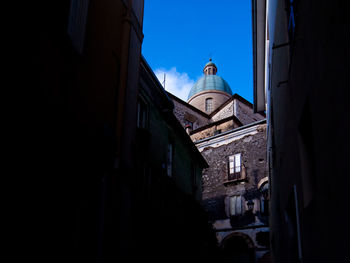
{"points": [[238, 247], [262, 181], [263, 187], [245, 237]]}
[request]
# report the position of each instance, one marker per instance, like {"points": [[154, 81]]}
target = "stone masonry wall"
{"points": [[245, 113], [182, 112], [253, 156], [225, 112], [211, 131]]}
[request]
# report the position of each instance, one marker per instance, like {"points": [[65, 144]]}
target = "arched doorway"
{"points": [[238, 248]]}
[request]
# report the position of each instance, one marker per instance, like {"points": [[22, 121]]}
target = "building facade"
{"points": [[169, 181], [84, 126], [118, 177], [232, 139], [301, 81]]}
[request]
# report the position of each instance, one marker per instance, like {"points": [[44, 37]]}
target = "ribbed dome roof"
{"points": [[210, 82]]}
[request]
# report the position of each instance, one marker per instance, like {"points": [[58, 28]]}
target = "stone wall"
{"points": [[225, 112], [239, 109], [245, 113], [253, 157], [182, 112], [213, 130]]}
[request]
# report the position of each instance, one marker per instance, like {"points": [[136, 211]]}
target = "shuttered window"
{"points": [[236, 205]]}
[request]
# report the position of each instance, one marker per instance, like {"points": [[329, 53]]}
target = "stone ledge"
{"points": [[236, 181]]}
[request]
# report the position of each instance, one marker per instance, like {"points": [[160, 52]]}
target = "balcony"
{"points": [[236, 177]]}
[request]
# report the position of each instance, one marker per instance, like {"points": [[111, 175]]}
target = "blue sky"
{"points": [[180, 37]]}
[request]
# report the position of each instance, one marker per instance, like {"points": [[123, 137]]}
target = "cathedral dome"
{"points": [[210, 91], [210, 82]]}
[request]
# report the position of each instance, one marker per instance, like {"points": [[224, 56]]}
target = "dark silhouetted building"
{"points": [[119, 177], [301, 68]]}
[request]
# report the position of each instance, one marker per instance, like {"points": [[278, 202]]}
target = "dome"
{"points": [[210, 82]]}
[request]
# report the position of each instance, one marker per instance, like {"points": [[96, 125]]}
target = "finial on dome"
{"points": [[209, 59]]}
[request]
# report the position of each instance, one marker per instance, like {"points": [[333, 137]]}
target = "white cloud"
{"points": [[178, 84]]}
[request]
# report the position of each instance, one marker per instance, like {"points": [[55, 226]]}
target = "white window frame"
{"points": [[235, 164]]}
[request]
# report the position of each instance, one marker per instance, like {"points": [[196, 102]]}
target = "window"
{"points": [[234, 167], [142, 113], [170, 159], [235, 205], [209, 105]]}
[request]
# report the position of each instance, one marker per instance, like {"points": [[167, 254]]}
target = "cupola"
{"points": [[210, 91]]}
